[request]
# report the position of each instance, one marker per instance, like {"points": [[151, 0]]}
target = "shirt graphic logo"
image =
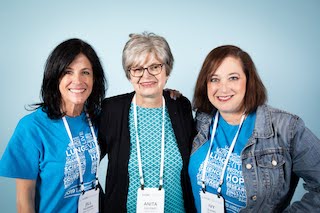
{"points": [[82, 143]]}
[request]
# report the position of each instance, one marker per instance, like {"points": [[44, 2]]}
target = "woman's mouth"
{"points": [[224, 98]]}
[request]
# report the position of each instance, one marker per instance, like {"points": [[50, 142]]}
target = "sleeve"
{"points": [[189, 125], [102, 133], [306, 165], [190, 120], [21, 156], [102, 130]]}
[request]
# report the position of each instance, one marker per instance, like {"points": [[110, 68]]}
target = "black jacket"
{"points": [[114, 138]]}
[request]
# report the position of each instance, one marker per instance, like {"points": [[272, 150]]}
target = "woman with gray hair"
{"points": [[147, 135]]}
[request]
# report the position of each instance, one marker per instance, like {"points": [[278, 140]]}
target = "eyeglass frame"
{"points": [[145, 68]]}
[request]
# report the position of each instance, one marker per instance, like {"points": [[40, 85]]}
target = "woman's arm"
{"points": [[306, 165], [25, 195]]}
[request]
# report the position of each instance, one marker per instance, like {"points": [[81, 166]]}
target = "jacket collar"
{"points": [[263, 124], [203, 121]]}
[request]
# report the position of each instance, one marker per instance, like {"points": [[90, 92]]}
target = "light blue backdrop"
{"points": [[281, 36]]}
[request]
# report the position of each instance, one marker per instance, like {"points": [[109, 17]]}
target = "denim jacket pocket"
{"points": [[271, 159], [271, 170]]}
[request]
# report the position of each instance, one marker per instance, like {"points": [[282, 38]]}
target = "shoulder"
{"points": [[116, 101], [29, 129], [202, 116], [203, 120], [181, 102], [270, 120], [37, 117], [115, 107], [276, 114]]}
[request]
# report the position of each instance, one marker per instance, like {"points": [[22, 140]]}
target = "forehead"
{"points": [[81, 60], [229, 65]]}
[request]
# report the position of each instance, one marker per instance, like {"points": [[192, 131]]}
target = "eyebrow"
{"points": [[142, 66], [215, 75], [85, 68], [234, 73]]}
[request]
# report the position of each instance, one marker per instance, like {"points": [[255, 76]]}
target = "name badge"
{"points": [[211, 203], [150, 200], [89, 202]]}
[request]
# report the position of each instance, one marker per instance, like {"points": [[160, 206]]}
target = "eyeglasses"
{"points": [[153, 69]]}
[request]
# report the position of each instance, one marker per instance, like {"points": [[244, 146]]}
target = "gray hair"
{"points": [[139, 46]]}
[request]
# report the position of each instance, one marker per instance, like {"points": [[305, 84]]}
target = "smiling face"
{"points": [[149, 88], [227, 87], [76, 85]]}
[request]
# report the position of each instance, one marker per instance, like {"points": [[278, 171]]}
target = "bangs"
{"points": [[142, 58]]}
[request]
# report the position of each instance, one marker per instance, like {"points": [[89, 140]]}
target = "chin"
{"points": [[78, 103]]}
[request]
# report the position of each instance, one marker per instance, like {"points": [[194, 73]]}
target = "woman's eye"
{"points": [[67, 72], [137, 70], [154, 67], [234, 78], [86, 72], [214, 80]]}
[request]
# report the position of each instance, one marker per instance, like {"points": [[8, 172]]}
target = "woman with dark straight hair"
{"points": [[53, 152]]}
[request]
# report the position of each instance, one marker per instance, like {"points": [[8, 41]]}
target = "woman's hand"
{"points": [[174, 94]]}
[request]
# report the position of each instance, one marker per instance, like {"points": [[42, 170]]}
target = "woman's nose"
{"points": [[76, 78], [146, 72], [224, 86]]}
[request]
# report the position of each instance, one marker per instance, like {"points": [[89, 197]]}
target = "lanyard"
{"points": [[138, 144], [76, 151], [204, 170]]}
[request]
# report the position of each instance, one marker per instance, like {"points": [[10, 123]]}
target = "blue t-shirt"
{"points": [[40, 150], [233, 189], [150, 132]]}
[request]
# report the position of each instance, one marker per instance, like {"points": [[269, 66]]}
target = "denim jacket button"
{"points": [[254, 197], [248, 166], [274, 162]]}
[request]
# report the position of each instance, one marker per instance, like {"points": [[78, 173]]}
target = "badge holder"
{"points": [[150, 200], [211, 202], [89, 201]]}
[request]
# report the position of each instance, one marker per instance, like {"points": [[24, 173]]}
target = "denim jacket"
{"points": [[279, 152]]}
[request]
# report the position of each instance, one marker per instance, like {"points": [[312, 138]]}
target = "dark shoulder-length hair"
{"points": [[255, 94], [59, 59]]}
